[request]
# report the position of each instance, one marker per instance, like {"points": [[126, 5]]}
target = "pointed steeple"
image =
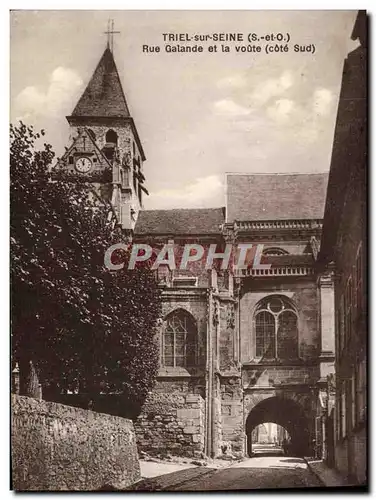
{"points": [[104, 95]]}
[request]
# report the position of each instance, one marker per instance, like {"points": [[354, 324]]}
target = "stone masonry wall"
{"points": [[172, 423], [58, 447], [274, 376], [232, 415]]}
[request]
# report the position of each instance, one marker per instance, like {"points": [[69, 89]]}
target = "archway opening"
{"points": [[270, 438], [287, 415]]}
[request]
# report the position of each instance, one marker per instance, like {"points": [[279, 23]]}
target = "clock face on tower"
{"points": [[83, 165]]}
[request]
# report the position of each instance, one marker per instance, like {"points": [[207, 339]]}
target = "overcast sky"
{"points": [[198, 115]]}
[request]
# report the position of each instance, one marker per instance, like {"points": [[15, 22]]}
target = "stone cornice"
{"points": [[250, 365], [282, 387], [327, 356], [279, 225], [184, 293], [275, 272]]}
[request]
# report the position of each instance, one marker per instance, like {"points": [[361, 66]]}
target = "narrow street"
{"points": [[258, 472], [268, 468]]}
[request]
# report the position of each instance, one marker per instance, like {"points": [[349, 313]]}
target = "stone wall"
{"points": [[58, 447], [172, 423], [232, 415], [360, 455], [341, 458]]}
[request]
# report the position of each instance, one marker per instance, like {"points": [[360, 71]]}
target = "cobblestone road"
{"points": [[256, 473]]}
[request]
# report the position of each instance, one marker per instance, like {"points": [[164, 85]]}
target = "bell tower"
{"points": [[105, 147]]}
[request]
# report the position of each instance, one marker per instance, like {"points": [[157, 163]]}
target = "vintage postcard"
{"points": [[188, 250]]}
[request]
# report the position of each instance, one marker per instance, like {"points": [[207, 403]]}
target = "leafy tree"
{"points": [[84, 329]]}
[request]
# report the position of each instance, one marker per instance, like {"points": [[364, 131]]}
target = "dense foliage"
{"points": [[85, 329]]}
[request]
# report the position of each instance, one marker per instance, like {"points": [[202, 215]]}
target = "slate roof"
{"points": [[253, 197], [189, 221], [104, 94]]}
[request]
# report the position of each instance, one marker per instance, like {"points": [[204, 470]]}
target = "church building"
{"points": [[238, 348]]}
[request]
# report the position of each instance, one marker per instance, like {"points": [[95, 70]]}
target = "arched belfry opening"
{"points": [[111, 144], [285, 413], [111, 138]]}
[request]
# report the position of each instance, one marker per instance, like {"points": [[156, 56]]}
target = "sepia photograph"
{"points": [[188, 250]]}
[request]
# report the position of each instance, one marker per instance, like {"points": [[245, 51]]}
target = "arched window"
{"points": [[274, 251], [276, 329], [111, 137], [179, 339]]}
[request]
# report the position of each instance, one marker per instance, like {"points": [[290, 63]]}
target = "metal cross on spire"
{"points": [[110, 34]]}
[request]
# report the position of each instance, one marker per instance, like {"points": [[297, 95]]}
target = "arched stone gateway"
{"points": [[286, 413]]}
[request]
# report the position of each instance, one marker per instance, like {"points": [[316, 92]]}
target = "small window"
{"points": [[70, 160]]}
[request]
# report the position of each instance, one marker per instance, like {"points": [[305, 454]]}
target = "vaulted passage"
{"points": [[286, 413]]}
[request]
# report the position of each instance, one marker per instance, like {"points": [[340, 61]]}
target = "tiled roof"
{"points": [[275, 196], [104, 94], [180, 221]]}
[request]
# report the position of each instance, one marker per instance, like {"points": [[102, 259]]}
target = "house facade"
{"points": [[344, 251]]}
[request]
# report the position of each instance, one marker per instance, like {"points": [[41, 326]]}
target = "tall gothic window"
{"points": [[276, 329], [179, 339]]}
